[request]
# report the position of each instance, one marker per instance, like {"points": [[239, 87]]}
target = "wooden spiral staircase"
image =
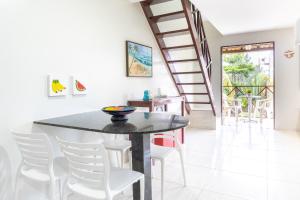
{"points": [[198, 44]]}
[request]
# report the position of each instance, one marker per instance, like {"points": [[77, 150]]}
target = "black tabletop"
{"points": [[137, 123]]}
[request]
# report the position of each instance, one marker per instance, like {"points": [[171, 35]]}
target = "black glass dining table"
{"points": [[139, 126]]}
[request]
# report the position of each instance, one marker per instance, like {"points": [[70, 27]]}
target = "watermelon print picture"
{"points": [[79, 87]]}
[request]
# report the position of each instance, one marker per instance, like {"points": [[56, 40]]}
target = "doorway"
{"points": [[248, 87]]}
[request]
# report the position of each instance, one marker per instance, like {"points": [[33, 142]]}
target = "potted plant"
{"points": [[248, 92]]}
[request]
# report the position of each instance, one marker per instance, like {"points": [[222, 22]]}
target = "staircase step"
{"points": [[192, 72], [196, 102], [179, 47], [190, 83], [173, 33], [185, 60], [168, 16], [196, 93], [154, 2]]}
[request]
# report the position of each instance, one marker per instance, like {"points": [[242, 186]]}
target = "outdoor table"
{"points": [[139, 127]]}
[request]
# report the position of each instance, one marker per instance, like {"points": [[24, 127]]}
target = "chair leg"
{"points": [[261, 116], [142, 188], [17, 184], [236, 113], [65, 195], [16, 194], [182, 167], [130, 159], [52, 189], [118, 159], [162, 178], [122, 159], [152, 171], [60, 186]]}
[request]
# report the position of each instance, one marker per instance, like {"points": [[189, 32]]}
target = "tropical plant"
{"points": [[238, 66], [227, 86]]}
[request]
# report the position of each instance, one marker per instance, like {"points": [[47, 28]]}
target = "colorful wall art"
{"points": [[139, 60], [57, 86], [78, 86]]}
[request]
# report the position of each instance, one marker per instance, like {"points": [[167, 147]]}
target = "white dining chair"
{"points": [[227, 109], [237, 108], [161, 153], [6, 189], [38, 163], [121, 146], [263, 106], [91, 175]]}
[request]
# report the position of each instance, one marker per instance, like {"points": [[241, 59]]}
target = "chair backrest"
{"points": [[269, 103], [264, 103], [36, 150], [225, 101], [171, 135], [88, 163], [5, 176], [237, 102]]}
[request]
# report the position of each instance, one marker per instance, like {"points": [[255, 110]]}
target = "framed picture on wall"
{"points": [[56, 85], [78, 86], [139, 60]]}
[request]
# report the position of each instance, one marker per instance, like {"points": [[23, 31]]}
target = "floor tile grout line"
{"points": [[215, 169], [226, 194], [181, 184]]}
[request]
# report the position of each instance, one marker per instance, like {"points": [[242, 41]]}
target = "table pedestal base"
{"points": [[141, 162]]}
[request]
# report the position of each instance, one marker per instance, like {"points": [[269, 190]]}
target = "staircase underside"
{"points": [[178, 29]]}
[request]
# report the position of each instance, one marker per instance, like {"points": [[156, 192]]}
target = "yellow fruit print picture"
{"points": [[56, 86]]}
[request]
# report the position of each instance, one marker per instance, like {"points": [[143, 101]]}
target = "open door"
{"points": [[248, 72]]}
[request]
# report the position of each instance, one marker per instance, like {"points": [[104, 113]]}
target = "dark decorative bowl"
{"points": [[119, 112]]}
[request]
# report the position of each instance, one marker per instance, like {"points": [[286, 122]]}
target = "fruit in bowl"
{"points": [[119, 112]]}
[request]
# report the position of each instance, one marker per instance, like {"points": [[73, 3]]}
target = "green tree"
{"points": [[238, 66]]}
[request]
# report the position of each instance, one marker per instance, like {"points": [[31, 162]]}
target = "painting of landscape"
{"points": [[139, 60]]}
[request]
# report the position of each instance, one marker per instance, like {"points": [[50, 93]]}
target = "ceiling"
{"points": [[240, 16]]}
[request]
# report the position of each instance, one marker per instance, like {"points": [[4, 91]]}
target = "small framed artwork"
{"points": [[78, 86], [56, 86], [138, 60]]}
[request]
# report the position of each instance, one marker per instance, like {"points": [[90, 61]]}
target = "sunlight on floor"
{"points": [[236, 163]]}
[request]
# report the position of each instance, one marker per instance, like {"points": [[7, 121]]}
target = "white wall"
{"points": [[287, 82], [68, 37]]}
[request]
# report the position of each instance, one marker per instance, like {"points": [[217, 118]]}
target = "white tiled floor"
{"points": [[234, 163]]}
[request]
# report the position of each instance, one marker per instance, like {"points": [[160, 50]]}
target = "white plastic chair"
{"points": [[263, 106], [120, 146], [91, 175], [161, 153], [237, 108], [5, 176], [227, 109], [38, 162]]}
